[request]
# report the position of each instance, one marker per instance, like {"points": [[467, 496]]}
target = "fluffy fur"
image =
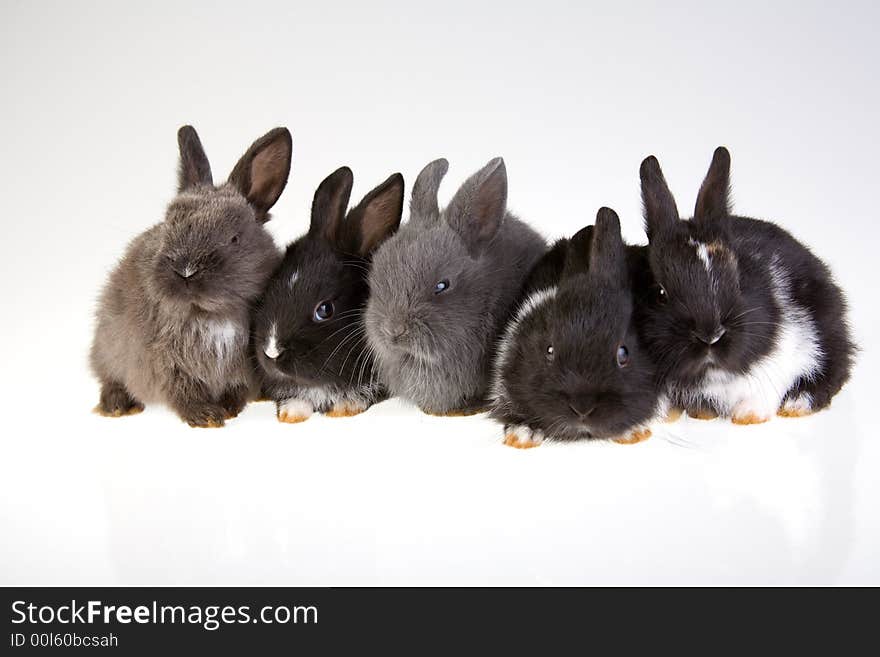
{"points": [[172, 321], [442, 288], [308, 363], [557, 375], [746, 321]]}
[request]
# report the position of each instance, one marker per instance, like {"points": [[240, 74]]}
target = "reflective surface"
{"points": [[396, 497]]}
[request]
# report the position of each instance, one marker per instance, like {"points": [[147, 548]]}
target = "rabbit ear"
{"points": [[607, 250], [713, 201], [261, 173], [194, 167], [577, 260], [329, 205], [423, 204], [478, 207], [376, 217], [659, 205]]}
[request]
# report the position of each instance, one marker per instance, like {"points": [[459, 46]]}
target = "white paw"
{"points": [[797, 406], [294, 410], [346, 409], [635, 436], [522, 437], [751, 411]]}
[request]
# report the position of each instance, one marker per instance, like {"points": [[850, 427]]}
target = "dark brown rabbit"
{"points": [[172, 321]]}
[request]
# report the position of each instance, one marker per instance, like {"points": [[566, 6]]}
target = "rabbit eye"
{"points": [[550, 352], [622, 356], [441, 286], [661, 294], [323, 311]]}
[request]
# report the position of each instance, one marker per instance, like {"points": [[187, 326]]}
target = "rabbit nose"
{"points": [[396, 329], [582, 413], [584, 406], [184, 268], [710, 339]]}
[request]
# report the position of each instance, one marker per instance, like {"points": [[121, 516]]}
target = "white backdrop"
{"points": [[573, 96]]}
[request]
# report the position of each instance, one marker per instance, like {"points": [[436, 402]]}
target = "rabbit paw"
{"points": [[209, 416], [346, 409], [750, 411], [233, 402], [522, 437], [799, 406], [116, 402], [293, 411], [673, 415], [701, 413], [636, 436]]}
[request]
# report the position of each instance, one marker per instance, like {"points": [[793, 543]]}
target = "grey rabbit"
{"points": [[172, 321], [442, 288]]}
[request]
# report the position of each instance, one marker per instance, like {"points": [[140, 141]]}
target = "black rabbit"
{"points": [[746, 321], [309, 334], [571, 365]]}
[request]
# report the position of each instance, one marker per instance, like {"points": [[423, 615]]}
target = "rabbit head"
{"points": [[309, 325], [710, 308], [212, 249], [429, 287]]}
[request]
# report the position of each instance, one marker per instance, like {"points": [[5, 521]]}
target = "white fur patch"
{"points": [[222, 336], [803, 403], [702, 254], [299, 408], [797, 354], [271, 350], [319, 397], [293, 279], [534, 301], [523, 436], [325, 398], [661, 411]]}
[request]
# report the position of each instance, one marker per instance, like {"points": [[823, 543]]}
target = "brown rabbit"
{"points": [[172, 321]]}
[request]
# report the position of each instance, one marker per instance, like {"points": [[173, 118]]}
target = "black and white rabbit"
{"points": [[746, 321], [310, 339], [571, 365], [173, 317], [442, 288]]}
